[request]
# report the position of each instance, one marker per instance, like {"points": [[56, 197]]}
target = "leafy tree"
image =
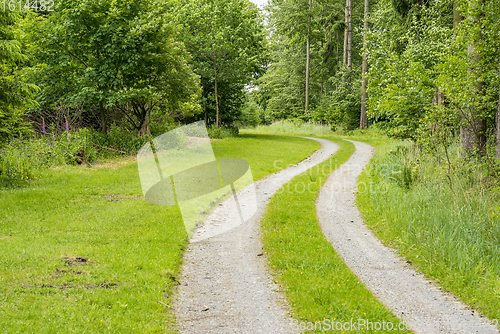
{"points": [[118, 55], [15, 94], [403, 59], [284, 79], [363, 121], [226, 39]]}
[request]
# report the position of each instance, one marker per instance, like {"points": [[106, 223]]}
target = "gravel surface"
{"points": [[413, 298], [225, 286]]}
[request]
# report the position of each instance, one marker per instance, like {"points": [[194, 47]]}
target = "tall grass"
{"points": [[444, 221], [294, 127]]}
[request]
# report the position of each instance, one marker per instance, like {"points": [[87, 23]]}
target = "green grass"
{"points": [[451, 236], [293, 128], [317, 282], [133, 249]]}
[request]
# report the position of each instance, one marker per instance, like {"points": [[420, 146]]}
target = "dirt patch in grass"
{"points": [[75, 261], [67, 286], [59, 272], [115, 198], [5, 237], [114, 164]]}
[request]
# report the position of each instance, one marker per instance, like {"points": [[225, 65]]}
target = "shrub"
{"points": [[222, 132], [22, 160]]}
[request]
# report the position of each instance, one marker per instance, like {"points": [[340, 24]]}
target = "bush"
{"points": [[250, 114], [223, 132], [118, 141], [21, 161]]}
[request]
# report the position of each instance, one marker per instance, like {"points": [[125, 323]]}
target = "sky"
{"points": [[259, 3]]}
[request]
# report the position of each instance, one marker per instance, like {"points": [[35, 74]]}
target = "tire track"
{"points": [[417, 301], [225, 286]]}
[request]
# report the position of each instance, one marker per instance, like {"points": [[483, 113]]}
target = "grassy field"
{"points": [[316, 281], [452, 236], [82, 252]]}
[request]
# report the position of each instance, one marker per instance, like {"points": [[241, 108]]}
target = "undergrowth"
{"points": [[444, 219]]}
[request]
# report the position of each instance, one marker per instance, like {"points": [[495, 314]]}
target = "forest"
{"points": [[84, 84], [117, 71]]}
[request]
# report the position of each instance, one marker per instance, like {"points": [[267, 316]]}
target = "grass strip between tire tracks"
{"points": [[319, 286]]}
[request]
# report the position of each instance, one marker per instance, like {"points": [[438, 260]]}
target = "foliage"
{"points": [[121, 55], [222, 132], [21, 161], [345, 101], [250, 113], [449, 233], [282, 86], [15, 94], [402, 78], [226, 39]]}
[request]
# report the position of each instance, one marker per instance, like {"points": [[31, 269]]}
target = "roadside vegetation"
{"points": [[317, 282], [81, 251], [82, 82], [444, 220]]}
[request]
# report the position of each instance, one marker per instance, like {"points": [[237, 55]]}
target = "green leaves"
{"points": [[123, 55], [15, 94], [226, 41]]}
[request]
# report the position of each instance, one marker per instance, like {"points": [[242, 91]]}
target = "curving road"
{"points": [[225, 286]]}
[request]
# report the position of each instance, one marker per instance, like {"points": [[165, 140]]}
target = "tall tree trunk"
{"points": [[308, 56], [145, 126], [104, 119], [498, 128], [217, 120], [349, 37], [457, 18], [363, 121], [473, 128], [346, 31]]}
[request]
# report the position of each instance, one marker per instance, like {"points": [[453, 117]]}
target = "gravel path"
{"points": [[225, 286], [413, 298]]}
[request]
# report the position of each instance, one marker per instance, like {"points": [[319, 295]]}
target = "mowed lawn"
{"points": [[82, 252]]}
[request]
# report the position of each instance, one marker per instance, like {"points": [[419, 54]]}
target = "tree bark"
{"points": [[145, 126], [363, 121], [344, 61], [308, 56], [473, 127], [349, 36], [217, 120], [104, 119], [457, 18], [498, 128]]}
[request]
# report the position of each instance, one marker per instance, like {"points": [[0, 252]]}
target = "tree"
{"points": [[348, 35], [15, 94], [473, 126], [226, 39], [308, 56], [117, 55], [498, 128], [363, 121]]}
